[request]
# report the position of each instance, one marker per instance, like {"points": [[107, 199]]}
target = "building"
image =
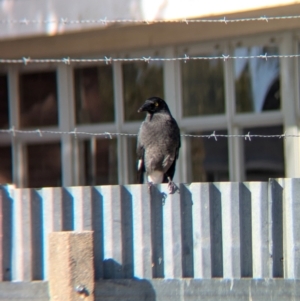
{"points": [[257, 95]]}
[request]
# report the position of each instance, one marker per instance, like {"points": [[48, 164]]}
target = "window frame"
{"points": [[231, 121]]}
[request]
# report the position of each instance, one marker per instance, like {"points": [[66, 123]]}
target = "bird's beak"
{"points": [[144, 107]]}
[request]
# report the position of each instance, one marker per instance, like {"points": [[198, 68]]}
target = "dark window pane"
{"points": [[257, 85], [202, 87], [38, 99], [5, 165], [132, 160], [101, 162], [4, 119], [94, 95], [209, 158], [141, 81], [264, 157], [44, 165]]}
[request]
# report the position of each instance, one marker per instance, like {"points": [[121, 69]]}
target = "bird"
{"points": [[158, 144]]}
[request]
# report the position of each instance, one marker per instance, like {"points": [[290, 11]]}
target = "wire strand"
{"points": [[110, 60], [105, 21], [15, 132]]}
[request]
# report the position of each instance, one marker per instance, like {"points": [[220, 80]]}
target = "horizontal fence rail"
{"points": [[207, 230]]}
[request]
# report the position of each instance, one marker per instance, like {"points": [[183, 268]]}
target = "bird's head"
{"points": [[153, 105]]}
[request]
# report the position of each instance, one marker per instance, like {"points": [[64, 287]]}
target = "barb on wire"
{"points": [[248, 136], [42, 133], [62, 20], [75, 133], [39, 132], [110, 60], [104, 21], [225, 57], [147, 59], [107, 60], [283, 135], [264, 18], [108, 135], [26, 60], [224, 20], [265, 56], [186, 57], [213, 135]]}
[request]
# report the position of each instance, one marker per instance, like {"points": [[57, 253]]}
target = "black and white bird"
{"points": [[158, 144]]}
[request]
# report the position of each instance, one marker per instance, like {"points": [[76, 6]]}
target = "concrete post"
{"points": [[71, 270]]}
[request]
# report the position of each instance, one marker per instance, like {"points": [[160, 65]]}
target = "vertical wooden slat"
{"points": [[82, 200], [6, 228], [1, 235], [112, 231], [230, 229], [142, 245], [245, 221], [275, 218], [172, 234], [216, 237], [37, 234], [291, 227], [201, 230], [259, 223], [2, 213], [22, 239], [97, 225], [52, 218]]}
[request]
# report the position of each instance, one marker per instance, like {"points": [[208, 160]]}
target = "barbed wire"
{"points": [[14, 132], [105, 21], [110, 60]]}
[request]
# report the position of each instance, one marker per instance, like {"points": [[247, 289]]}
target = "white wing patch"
{"points": [[156, 177], [140, 163]]}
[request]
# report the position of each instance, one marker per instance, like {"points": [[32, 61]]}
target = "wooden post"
{"points": [[71, 270]]}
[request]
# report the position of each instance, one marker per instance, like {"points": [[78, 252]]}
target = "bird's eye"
{"points": [[156, 104]]}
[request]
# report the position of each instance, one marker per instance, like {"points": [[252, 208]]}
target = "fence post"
{"points": [[71, 266]]}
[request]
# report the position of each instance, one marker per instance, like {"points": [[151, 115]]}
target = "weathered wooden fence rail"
{"points": [[228, 230]]}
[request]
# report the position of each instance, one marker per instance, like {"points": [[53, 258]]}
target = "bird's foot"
{"points": [[172, 187]]}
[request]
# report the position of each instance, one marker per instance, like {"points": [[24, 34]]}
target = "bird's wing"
{"points": [[141, 163], [171, 171]]}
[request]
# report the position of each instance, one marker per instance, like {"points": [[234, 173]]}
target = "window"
{"points": [[5, 165], [5, 150], [202, 87], [38, 99], [140, 81], [209, 158], [210, 95], [101, 162], [44, 165], [132, 159], [264, 156], [4, 122], [257, 84], [94, 97]]}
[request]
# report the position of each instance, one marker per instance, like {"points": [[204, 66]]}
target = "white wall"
{"points": [[111, 9]]}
